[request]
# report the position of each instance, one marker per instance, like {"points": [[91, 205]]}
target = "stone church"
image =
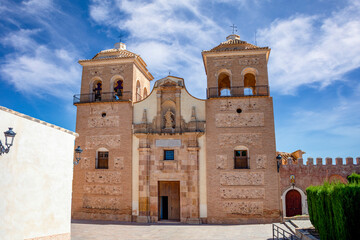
{"points": [[161, 154]]}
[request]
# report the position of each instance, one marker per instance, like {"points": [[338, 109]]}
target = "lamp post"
{"points": [[78, 152], [9, 139], [278, 162]]}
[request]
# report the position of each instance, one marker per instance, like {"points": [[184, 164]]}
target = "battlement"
{"points": [[349, 161]]}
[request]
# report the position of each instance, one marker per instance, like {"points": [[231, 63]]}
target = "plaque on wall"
{"points": [[168, 143]]}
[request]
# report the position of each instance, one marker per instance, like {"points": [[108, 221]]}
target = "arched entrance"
{"points": [[293, 203]]}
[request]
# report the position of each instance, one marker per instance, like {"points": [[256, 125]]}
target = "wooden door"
{"points": [[169, 196], [293, 203]]}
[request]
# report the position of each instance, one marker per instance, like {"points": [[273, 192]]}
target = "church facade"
{"points": [[164, 155]]}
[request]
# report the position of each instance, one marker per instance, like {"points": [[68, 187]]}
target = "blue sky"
{"points": [[314, 66]]}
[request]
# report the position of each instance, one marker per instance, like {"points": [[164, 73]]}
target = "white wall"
{"points": [[36, 179]]}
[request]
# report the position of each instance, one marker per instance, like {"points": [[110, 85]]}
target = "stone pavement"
{"points": [[96, 230]]}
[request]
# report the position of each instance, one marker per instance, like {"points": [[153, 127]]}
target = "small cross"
{"points": [[233, 29], [120, 35]]}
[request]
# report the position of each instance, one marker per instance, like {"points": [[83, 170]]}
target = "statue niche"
{"points": [[169, 119]]}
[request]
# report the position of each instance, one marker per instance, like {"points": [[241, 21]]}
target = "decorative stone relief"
{"points": [[110, 121], [117, 69], [246, 208], [99, 109], [85, 163], [103, 177], [242, 178], [111, 141], [249, 61], [261, 161], [119, 162], [102, 202], [233, 104], [247, 193], [221, 161], [168, 143], [103, 190], [240, 139], [239, 120]]}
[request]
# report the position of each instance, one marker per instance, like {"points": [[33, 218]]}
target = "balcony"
{"points": [[214, 92], [103, 97]]}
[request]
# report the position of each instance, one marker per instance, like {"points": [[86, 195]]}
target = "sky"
{"points": [[314, 65]]}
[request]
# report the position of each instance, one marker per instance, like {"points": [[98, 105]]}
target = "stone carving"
{"points": [[233, 104], [119, 162], [103, 190], [103, 177], [110, 121], [261, 161], [240, 139], [239, 120], [242, 179], [245, 208], [247, 193], [169, 121], [99, 109], [249, 61], [221, 161], [112, 141], [85, 163], [98, 202]]}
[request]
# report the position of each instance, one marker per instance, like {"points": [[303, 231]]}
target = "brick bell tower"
{"points": [[111, 82], [242, 177]]}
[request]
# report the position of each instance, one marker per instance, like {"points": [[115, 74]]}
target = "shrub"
{"points": [[354, 178]]}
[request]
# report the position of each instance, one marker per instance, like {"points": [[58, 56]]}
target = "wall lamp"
{"points": [[78, 152], [9, 139], [278, 162]]}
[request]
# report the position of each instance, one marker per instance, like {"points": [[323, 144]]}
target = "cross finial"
{"points": [[120, 36], [234, 29]]}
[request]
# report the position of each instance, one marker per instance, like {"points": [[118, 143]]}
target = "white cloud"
{"points": [[313, 50]]}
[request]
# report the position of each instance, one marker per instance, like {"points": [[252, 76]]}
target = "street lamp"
{"points": [[278, 162], [78, 152], [9, 139]]}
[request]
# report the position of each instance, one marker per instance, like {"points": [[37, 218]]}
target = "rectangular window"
{"points": [[103, 160], [168, 154], [241, 159]]}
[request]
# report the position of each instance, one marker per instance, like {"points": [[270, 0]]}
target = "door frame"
{"points": [[304, 206], [159, 196]]}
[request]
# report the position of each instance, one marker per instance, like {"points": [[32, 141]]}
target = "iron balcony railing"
{"points": [[215, 92], [102, 97], [281, 234]]}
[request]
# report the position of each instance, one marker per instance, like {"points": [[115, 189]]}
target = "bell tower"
{"points": [[111, 82], [242, 177]]}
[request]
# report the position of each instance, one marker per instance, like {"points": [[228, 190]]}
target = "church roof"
{"points": [[233, 43]]}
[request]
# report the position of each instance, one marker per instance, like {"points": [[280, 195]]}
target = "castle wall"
{"points": [[104, 193]]}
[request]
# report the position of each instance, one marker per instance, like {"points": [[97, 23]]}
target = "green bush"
{"points": [[334, 210], [354, 178]]}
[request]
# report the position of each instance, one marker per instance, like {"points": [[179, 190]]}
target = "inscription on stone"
{"points": [[168, 143], [247, 193], [103, 177], [239, 120], [110, 121], [244, 208], [111, 141], [240, 139], [242, 179]]}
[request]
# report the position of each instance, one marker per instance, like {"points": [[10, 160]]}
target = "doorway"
{"points": [[293, 203], [169, 200]]}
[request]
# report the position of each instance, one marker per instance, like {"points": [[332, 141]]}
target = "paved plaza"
{"points": [[81, 230]]}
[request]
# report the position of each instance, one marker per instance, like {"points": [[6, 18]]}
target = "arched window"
{"points": [[118, 88], [97, 89], [138, 91], [145, 93], [102, 158], [224, 85], [249, 84]]}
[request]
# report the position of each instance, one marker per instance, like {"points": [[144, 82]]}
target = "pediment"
{"points": [[170, 82]]}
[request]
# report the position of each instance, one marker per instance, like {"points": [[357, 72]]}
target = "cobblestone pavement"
{"points": [[81, 230]]}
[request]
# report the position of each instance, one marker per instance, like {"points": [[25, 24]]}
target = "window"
{"points": [[118, 89], [241, 159], [224, 84], [97, 88], [168, 154], [103, 160]]}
